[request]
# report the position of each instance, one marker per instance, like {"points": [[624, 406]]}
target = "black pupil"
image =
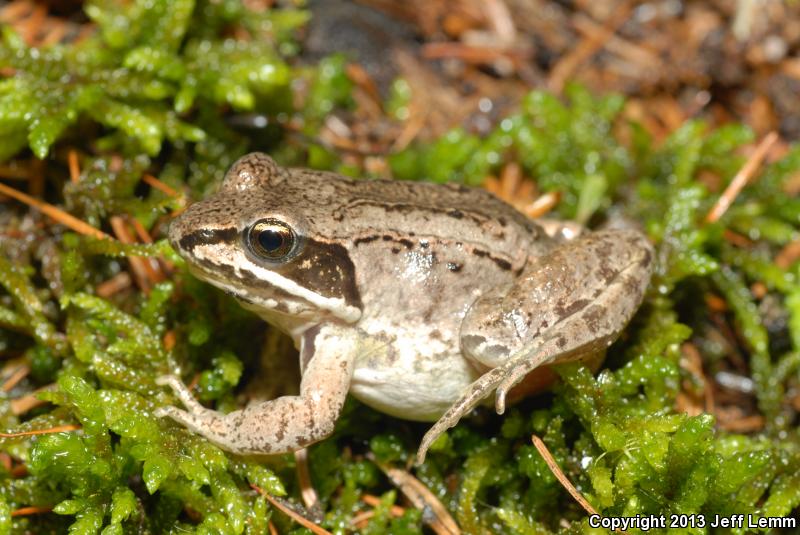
{"points": [[271, 240]]}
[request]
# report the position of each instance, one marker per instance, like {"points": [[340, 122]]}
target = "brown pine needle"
{"points": [[25, 403], [587, 47], [542, 205], [56, 429], [26, 511], [411, 128], [145, 271], [141, 232], [566, 483], [291, 514], [14, 379], [742, 178], [436, 515], [115, 284], [361, 519], [553, 466], [57, 214], [170, 340], [788, 255], [374, 501], [74, 166], [153, 182]]}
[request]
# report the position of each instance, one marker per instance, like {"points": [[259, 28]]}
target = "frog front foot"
{"points": [[284, 424]]}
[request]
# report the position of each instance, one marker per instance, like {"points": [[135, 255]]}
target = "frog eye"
{"points": [[271, 239]]}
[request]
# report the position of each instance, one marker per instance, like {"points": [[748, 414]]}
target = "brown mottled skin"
{"points": [[419, 299]]}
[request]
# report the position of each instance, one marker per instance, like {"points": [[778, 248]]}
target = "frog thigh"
{"points": [[599, 282], [599, 277]]}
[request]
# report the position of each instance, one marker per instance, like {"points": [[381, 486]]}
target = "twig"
{"points": [[742, 178]]}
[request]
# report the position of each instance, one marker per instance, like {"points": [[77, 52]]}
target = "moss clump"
{"points": [[154, 91]]}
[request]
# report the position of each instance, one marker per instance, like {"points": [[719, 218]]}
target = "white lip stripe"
{"points": [[335, 305]]}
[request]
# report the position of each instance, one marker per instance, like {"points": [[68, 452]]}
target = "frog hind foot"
{"points": [[477, 391]]}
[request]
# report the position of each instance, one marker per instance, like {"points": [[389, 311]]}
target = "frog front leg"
{"points": [[284, 424], [569, 304]]}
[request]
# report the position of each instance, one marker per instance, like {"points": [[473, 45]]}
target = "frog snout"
{"points": [[174, 234]]}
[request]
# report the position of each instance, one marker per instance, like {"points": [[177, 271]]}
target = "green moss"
{"points": [[151, 92]]}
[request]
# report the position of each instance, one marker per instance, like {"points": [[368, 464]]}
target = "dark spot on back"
{"points": [[568, 310], [502, 264], [366, 239]]}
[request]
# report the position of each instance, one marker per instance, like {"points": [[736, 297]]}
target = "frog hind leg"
{"points": [[571, 304], [284, 424]]}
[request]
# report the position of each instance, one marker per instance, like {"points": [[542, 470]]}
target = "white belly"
{"points": [[416, 379]]}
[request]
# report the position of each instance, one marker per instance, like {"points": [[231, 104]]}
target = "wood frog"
{"points": [[419, 299]]}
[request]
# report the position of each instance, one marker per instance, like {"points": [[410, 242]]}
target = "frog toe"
{"points": [[168, 412], [180, 390], [509, 381], [474, 394]]}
